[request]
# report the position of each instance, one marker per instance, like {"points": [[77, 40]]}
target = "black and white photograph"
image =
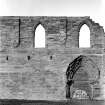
{"points": [[52, 52]]}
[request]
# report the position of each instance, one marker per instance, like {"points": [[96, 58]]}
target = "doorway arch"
{"points": [[81, 72]]}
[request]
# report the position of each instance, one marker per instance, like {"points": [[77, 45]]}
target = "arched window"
{"points": [[39, 39], [84, 37]]}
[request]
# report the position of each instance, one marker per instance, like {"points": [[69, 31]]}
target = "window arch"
{"points": [[84, 37], [39, 39]]}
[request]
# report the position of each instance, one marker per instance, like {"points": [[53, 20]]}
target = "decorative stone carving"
{"points": [[80, 94]]}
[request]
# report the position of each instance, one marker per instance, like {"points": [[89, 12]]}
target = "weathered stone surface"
{"points": [[40, 73]]}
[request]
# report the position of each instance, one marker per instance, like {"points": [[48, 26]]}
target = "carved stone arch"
{"points": [[88, 22], [80, 70], [87, 59]]}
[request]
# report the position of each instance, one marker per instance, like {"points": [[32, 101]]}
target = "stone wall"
{"points": [[43, 76]]}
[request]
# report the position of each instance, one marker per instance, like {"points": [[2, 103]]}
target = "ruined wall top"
{"points": [[61, 32]]}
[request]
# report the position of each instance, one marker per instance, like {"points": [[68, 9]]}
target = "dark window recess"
{"points": [[28, 57], [51, 57], [7, 58]]}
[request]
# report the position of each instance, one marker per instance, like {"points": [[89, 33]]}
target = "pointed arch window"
{"points": [[39, 39], [84, 37]]}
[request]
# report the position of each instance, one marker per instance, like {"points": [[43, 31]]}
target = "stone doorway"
{"points": [[82, 74]]}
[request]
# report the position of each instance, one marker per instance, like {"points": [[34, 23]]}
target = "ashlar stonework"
{"points": [[59, 71]]}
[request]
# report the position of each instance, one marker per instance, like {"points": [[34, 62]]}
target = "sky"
{"points": [[93, 8]]}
